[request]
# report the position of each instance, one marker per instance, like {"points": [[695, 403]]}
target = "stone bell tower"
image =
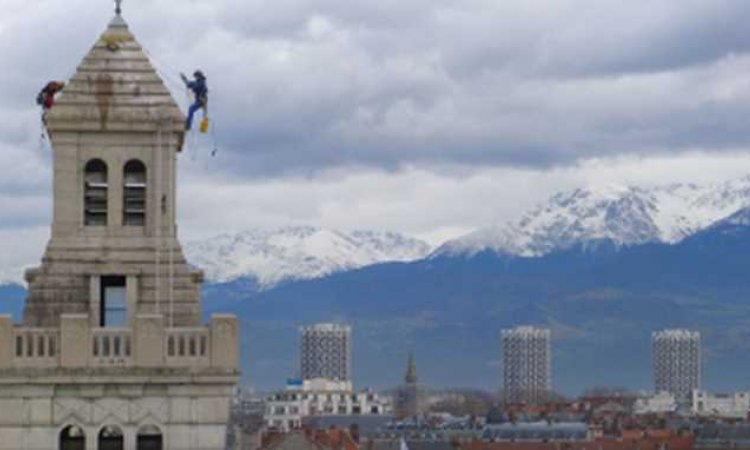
{"points": [[111, 353], [115, 132]]}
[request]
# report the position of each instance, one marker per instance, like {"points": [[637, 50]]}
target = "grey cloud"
{"points": [[299, 86]]}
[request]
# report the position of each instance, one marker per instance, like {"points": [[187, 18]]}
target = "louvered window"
{"points": [[95, 193], [134, 192]]}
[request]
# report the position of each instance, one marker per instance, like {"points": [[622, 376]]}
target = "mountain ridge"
{"points": [[624, 215], [278, 255]]}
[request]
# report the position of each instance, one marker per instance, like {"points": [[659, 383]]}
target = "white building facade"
{"points": [[659, 403], [729, 406], [527, 364], [286, 409], [677, 362]]}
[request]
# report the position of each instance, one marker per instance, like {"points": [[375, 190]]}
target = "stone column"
{"points": [[131, 287], [6, 341], [75, 340], [224, 353], [149, 340], [95, 300]]}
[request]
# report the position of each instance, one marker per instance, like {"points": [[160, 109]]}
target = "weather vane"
{"points": [[118, 7]]}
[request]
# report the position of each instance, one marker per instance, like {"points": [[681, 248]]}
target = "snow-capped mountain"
{"points": [[621, 214], [298, 253]]}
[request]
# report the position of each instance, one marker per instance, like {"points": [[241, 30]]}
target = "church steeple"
{"points": [[411, 370], [115, 132], [409, 396]]}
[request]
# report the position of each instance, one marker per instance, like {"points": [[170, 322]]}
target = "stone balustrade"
{"points": [[35, 347], [188, 346], [147, 344], [111, 347]]}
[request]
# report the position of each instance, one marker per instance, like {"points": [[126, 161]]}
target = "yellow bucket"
{"points": [[204, 125]]}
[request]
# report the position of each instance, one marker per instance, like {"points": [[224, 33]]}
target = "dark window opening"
{"points": [[134, 194], [114, 303], [95, 193], [110, 438], [72, 438], [149, 438]]}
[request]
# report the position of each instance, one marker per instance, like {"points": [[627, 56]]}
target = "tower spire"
{"points": [[411, 370], [118, 7]]}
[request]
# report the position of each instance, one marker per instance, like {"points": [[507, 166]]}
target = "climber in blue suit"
{"points": [[200, 91]]}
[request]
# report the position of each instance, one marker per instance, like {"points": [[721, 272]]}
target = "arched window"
{"points": [[95, 193], [134, 193], [72, 438], [110, 438], [149, 438]]}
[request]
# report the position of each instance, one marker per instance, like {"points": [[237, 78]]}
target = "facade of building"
{"points": [[111, 353], [326, 352], [526, 364], [734, 406], [286, 410], [659, 403], [677, 362]]}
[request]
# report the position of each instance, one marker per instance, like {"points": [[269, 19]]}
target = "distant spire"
{"points": [[411, 370], [118, 7]]}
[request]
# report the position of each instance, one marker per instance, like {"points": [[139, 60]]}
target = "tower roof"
{"points": [[115, 88]]}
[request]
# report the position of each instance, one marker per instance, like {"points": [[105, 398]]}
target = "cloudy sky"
{"points": [[430, 117]]}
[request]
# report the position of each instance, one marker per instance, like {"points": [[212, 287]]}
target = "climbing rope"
{"points": [[164, 72], [171, 209], [43, 138], [157, 224]]}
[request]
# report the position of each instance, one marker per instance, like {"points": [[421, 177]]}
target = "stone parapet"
{"points": [[149, 344]]}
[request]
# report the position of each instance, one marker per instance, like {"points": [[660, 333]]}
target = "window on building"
{"points": [[114, 302], [149, 438], [110, 438], [72, 438], [134, 194], [95, 193]]}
